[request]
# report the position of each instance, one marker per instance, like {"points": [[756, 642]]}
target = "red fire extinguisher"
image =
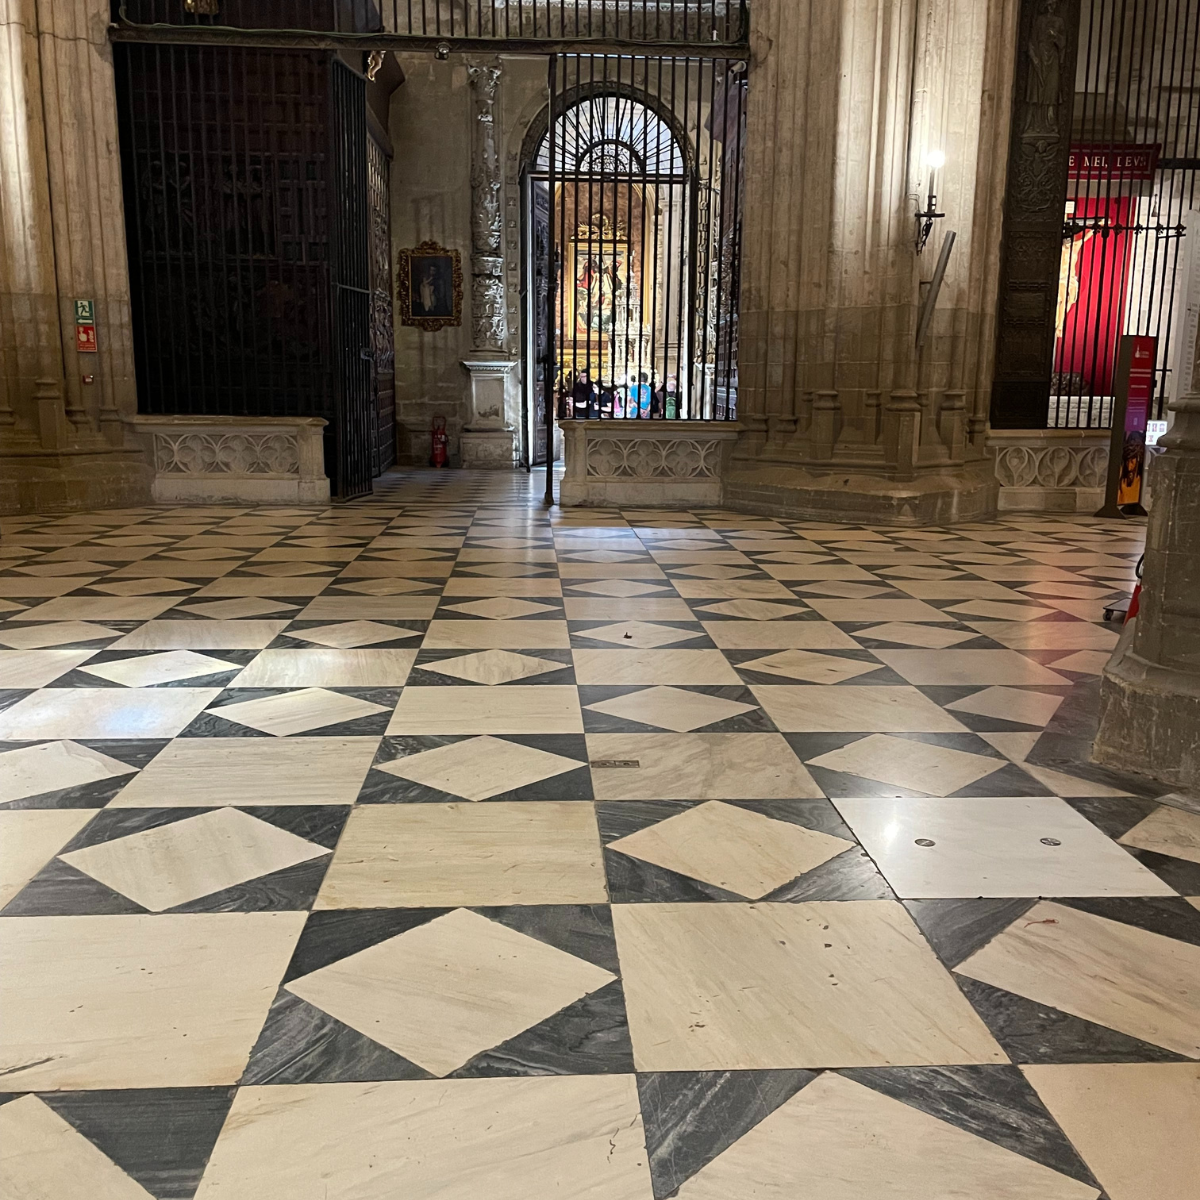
{"points": [[438, 454]]}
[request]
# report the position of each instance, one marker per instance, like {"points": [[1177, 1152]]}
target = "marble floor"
{"points": [[443, 846]]}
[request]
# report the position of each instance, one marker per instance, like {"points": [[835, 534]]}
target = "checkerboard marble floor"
{"points": [[440, 845]]}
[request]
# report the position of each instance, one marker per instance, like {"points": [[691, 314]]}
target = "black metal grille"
{"points": [[634, 184], [383, 341], [1133, 177]]}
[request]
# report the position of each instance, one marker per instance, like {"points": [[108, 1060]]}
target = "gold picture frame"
{"points": [[430, 287]]}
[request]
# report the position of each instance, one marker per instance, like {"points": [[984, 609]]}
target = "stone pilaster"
{"points": [[843, 413], [62, 239], [1150, 692]]}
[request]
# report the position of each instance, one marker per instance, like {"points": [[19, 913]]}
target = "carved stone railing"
{"points": [[256, 460], [666, 464], [1050, 470]]}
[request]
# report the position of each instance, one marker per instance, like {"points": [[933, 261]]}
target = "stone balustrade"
{"points": [[1050, 470]]}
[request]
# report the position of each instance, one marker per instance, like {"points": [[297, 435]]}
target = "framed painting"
{"points": [[430, 286]]}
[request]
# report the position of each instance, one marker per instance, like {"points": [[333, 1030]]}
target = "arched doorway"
{"points": [[629, 214]]}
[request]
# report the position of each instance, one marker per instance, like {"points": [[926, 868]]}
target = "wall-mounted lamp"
{"points": [[934, 160]]}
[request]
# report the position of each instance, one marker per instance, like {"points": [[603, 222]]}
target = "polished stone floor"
{"points": [[440, 845]]}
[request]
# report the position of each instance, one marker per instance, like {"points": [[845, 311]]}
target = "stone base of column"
{"points": [[1149, 719], [72, 480], [960, 493], [488, 449]]}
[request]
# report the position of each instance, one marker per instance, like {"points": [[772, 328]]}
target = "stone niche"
{"points": [[660, 464], [246, 460]]}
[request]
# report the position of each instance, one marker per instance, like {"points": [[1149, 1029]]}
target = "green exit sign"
{"points": [[85, 312]]}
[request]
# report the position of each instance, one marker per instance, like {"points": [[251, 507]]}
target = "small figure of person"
{"points": [[606, 400], [640, 396], [671, 398], [583, 396]]}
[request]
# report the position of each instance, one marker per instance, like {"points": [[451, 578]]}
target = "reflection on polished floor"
{"points": [[440, 845]]}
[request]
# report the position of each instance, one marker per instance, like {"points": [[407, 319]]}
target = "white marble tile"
{"points": [[1140, 983], [966, 667], [480, 768], [732, 589], [1010, 704], [1134, 1124], [328, 668], [1000, 610], [1048, 635], [540, 587], [972, 846], [201, 635], [443, 992], [41, 1156], [671, 708], [641, 608], [36, 668], [370, 608], [879, 610], [828, 571], [910, 765], [209, 772], [30, 588], [36, 636], [839, 1140], [349, 635], [956, 589], [814, 668], [135, 1001], [414, 855], [852, 708], [753, 610], [640, 635], [726, 987], [52, 766], [240, 606], [297, 712], [174, 864], [462, 1139], [1074, 591], [1012, 745], [732, 848], [1167, 830], [493, 666], [260, 586], [498, 635], [545, 708], [711, 571], [620, 587], [30, 838], [1086, 662], [678, 666], [379, 587], [788, 635], [100, 608], [931, 637], [1069, 785], [501, 608], [698, 766], [154, 585], [104, 713], [167, 667]]}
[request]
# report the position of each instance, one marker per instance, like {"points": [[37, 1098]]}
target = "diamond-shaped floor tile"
{"points": [[297, 712], [492, 666], [930, 637], [60, 633], [804, 664], [349, 635], [479, 767], [142, 587], [384, 587], [671, 708], [53, 766], [240, 606], [711, 571], [618, 587], [753, 610], [912, 765], [174, 864], [445, 991], [732, 848], [641, 635], [500, 608], [166, 667]]}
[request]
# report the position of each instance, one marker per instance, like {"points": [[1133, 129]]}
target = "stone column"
{"points": [[847, 97], [1150, 691], [62, 239], [488, 441]]}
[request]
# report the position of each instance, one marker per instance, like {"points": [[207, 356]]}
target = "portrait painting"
{"points": [[430, 285]]}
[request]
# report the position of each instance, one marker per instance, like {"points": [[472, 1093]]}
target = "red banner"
{"points": [[1112, 162]]}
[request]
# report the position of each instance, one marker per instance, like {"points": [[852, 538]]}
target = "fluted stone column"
{"points": [[846, 99], [62, 239], [488, 441], [1150, 691]]}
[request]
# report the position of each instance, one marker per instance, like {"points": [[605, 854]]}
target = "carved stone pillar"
{"points": [[62, 239], [1150, 692], [847, 98]]}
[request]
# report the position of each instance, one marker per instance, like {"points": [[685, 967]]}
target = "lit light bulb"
{"points": [[935, 159]]}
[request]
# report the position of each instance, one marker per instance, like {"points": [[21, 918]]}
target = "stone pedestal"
{"points": [[489, 443], [844, 415], [1150, 692]]}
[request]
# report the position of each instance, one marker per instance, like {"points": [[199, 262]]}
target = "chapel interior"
{"points": [[598, 599]]}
